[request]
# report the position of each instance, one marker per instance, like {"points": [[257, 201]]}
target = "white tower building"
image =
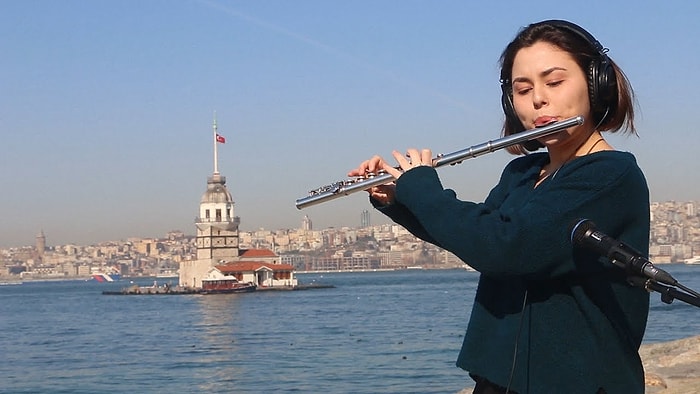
{"points": [[306, 224], [217, 227]]}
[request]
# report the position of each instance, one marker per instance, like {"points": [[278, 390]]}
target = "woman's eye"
{"points": [[523, 91], [555, 83]]}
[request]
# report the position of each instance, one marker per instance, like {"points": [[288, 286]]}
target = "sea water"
{"points": [[374, 332]]}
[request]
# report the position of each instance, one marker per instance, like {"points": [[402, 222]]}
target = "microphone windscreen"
{"points": [[580, 229]]}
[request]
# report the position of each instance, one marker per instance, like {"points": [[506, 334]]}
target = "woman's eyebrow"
{"points": [[542, 74]]}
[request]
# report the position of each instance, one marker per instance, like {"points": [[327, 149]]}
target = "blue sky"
{"points": [[106, 106]]}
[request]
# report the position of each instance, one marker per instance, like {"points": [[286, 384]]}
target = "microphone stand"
{"points": [[668, 293]]}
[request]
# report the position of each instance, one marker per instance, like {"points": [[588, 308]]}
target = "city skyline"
{"points": [[107, 107], [365, 221]]}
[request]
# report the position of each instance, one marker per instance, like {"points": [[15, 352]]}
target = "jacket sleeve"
{"points": [[532, 237], [401, 215]]}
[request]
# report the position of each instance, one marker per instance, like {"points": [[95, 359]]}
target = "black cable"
{"points": [[517, 339]]}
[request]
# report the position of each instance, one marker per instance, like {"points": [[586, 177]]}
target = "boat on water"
{"points": [[692, 260], [226, 286], [167, 275], [105, 277]]}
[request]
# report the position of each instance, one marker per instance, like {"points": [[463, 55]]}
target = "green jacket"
{"points": [[580, 326]]}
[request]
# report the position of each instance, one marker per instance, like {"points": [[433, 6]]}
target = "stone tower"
{"points": [[217, 228], [40, 244]]}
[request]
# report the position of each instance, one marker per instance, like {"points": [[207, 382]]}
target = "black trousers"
{"points": [[484, 386]]}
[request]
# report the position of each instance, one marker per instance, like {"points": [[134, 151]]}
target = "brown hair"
{"points": [[620, 115]]}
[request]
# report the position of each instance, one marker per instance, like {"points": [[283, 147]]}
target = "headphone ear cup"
{"points": [[512, 117], [602, 88]]}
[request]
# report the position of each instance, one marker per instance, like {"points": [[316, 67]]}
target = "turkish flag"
{"points": [[220, 138]]}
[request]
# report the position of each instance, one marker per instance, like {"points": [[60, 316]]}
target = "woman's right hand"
{"points": [[384, 194]]}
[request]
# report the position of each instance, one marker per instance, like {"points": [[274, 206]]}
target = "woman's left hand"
{"points": [[413, 158]]}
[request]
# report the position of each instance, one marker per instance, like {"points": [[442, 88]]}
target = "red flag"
{"points": [[220, 138]]}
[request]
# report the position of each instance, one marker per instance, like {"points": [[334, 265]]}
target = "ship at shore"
{"points": [[106, 277], [227, 286], [692, 260]]}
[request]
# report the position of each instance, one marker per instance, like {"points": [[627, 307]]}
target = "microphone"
{"points": [[585, 234]]}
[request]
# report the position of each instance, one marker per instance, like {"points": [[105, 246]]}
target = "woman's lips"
{"points": [[544, 120]]}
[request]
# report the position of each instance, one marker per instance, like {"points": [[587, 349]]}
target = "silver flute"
{"points": [[349, 186]]}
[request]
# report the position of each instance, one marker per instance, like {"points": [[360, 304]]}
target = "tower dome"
{"points": [[216, 192]]}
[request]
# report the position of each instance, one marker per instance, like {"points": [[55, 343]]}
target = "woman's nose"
{"points": [[539, 97]]}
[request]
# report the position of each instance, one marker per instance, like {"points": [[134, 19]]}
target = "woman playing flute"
{"points": [[547, 317]]}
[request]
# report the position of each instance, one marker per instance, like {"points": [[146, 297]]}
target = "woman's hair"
{"points": [[618, 116]]}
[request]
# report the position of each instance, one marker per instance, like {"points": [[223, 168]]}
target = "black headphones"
{"points": [[602, 83]]}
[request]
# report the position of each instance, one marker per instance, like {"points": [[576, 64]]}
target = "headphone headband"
{"points": [[578, 30]]}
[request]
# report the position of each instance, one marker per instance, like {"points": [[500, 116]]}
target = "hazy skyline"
{"points": [[107, 107]]}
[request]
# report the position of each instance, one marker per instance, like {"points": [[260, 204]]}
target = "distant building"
{"points": [[261, 273], [364, 219], [40, 244], [306, 224]]}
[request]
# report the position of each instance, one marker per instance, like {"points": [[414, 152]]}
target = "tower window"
{"points": [[206, 214], [218, 215]]}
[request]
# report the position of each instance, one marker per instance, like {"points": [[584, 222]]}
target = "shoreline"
{"points": [[177, 290], [15, 279]]}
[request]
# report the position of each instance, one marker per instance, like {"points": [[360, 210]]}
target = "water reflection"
{"points": [[218, 351]]}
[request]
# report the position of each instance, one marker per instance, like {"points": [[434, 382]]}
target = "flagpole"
{"points": [[216, 160]]}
